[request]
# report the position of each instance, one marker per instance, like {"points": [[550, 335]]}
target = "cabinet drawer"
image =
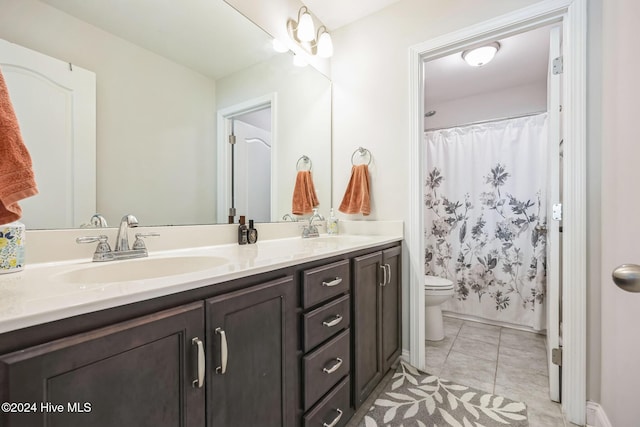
{"points": [[320, 284], [334, 410], [324, 322], [325, 367]]}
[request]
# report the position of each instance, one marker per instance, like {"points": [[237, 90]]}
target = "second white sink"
{"points": [[140, 269]]}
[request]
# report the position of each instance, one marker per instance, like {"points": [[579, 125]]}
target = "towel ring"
{"points": [[363, 152], [304, 159]]}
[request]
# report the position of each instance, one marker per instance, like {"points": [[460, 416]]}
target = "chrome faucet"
{"points": [[289, 217], [122, 240], [121, 251], [311, 230]]}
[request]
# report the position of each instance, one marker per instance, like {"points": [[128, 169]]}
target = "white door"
{"points": [[553, 226], [55, 103], [620, 310]]}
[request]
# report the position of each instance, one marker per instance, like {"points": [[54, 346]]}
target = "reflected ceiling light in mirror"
{"points": [[299, 60], [303, 33], [482, 55], [279, 47]]}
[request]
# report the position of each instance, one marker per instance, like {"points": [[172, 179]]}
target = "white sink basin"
{"points": [[339, 240], [140, 269]]}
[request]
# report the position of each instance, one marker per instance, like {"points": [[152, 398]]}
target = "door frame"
{"points": [[224, 117], [573, 16]]}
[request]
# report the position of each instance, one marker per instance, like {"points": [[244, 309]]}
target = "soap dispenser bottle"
{"points": [[332, 223], [252, 235], [243, 232]]}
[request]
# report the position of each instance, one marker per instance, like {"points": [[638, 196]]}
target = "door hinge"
{"points": [[556, 212], [558, 65], [232, 139], [556, 356]]}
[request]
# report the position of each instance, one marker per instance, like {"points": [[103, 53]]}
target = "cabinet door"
{"points": [[135, 373], [367, 368], [253, 369], [391, 307]]}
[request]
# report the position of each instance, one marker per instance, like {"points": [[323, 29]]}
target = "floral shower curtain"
{"points": [[485, 217]]}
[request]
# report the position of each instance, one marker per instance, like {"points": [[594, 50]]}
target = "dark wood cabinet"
{"points": [[135, 373], [376, 318], [252, 351], [297, 346]]}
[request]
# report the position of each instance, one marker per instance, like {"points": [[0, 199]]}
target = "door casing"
{"points": [[573, 16]]}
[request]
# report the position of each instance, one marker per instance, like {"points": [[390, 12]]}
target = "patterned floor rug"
{"points": [[414, 398]]}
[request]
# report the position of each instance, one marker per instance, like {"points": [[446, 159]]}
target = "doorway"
{"points": [[246, 150], [572, 16]]}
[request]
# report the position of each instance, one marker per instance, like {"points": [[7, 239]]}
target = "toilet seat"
{"points": [[434, 283]]}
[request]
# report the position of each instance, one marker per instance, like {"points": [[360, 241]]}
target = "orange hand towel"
{"points": [[304, 194], [356, 198], [16, 175]]}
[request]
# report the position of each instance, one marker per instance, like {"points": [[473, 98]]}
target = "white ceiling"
{"points": [[522, 59], [196, 33], [338, 13]]}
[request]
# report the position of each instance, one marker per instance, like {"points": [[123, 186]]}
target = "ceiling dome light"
{"points": [[481, 55]]}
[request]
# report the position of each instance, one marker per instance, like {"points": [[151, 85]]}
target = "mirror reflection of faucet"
{"points": [[121, 251]]}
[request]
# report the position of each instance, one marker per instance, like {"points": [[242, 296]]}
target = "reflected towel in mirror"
{"points": [[356, 198], [17, 180], [304, 194]]}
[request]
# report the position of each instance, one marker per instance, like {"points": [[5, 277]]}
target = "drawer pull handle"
{"points": [[224, 354], [333, 322], [334, 368], [334, 282], [384, 273], [199, 382], [335, 421]]}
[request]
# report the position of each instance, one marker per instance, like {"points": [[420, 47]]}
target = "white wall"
{"points": [[153, 117], [371, 95], [507, 102], [303, 121]]}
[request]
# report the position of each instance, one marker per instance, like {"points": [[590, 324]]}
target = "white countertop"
{"points": [[40, 293]]}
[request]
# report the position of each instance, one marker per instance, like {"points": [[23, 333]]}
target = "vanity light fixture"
{"points": [[303, 32], [482, 55]]}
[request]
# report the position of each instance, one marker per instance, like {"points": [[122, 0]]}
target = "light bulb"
{"points": [[278, 46], [325, 46], [306, 30]]}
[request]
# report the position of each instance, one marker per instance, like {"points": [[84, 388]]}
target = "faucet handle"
{"points": [[139, 243], [103, 250]]}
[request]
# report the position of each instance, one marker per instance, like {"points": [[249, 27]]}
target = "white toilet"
{"points": [[436, 291]]}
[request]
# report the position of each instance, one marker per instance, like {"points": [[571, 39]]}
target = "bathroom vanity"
{"points": [[289, 332]]}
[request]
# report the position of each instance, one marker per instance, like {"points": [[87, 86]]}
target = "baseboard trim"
{"points": [[596, 417], [406, 355]]}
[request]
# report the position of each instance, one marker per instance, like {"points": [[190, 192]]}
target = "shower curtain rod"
{"points": [[481, 122]]}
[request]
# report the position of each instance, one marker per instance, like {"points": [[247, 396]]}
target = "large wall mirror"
{"points": [[172, 80]]}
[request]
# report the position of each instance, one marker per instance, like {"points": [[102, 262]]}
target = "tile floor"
{"points": [[498, 360]]}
